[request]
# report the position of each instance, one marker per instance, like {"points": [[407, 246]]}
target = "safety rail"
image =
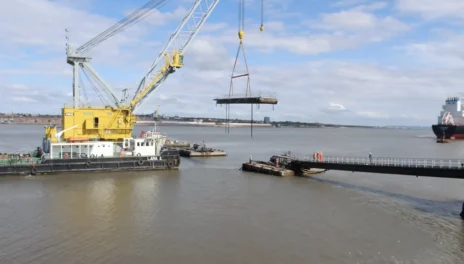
{"points": [[250, 95], [390, 161], [20, 161]]}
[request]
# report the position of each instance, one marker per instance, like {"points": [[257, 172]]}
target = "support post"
{"points": [[76, 84], [462, 211], [251, 120], [228, 119]]}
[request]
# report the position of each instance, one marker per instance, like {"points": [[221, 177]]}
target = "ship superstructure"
{"points": [[450, 123], [452, 113]]}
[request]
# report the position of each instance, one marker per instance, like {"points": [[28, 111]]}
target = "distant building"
{"points": [[267, 120]]}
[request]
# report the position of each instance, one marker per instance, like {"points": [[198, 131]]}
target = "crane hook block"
{"points": [[261, 28], [241, 33]]}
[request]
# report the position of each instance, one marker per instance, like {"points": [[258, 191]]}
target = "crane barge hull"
{"points": [[169, 161], [147, 152]]}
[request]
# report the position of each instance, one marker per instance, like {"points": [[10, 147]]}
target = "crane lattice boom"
{"points": [[123, 24], [173, 50]]}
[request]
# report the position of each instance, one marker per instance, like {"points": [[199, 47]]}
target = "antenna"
{"points": [[124, 95], [67, 37], [156, 113]]}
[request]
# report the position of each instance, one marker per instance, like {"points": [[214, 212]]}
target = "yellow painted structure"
{"points": [[111, 123], [50, 132], [107, 124]]}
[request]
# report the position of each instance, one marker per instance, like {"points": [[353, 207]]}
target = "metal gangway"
{"points": [[439, 168], [391, 161]]}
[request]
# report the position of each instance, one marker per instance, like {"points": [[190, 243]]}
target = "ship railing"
{"points": [[20, 161], [391, 161], [249, 95]]}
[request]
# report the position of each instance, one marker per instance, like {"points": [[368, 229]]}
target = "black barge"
{"points": [[168, 160]]}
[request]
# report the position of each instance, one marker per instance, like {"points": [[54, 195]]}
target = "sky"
{"points": [[336, 61]]}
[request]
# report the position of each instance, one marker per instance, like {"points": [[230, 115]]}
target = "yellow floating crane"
{"points": [[115, 120]]}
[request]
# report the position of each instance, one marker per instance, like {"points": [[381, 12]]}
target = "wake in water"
{"points": [[425, 136]]}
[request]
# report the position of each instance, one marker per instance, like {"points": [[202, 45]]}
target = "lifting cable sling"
{"points": [[241, 34]]}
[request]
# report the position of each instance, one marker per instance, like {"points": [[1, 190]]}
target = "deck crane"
{"points": [[116, 120]]}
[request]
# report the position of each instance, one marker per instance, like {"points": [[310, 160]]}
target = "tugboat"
{"points": [[443, 140], [83, 155]]}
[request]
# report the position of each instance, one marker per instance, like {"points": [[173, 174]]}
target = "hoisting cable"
{"points": [[84, 89], [241, 34], [92, 83], [124, 23], [242, 18], [262, 16]]}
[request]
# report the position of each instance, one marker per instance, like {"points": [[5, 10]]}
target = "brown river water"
{"points": [[211, 212]]}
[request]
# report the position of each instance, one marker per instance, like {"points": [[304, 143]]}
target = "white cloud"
{"points": [[444, 50], [360, 94], [359, 18], [213, 27], [81, 4], [166, 99], [276, 8], [334, 108], [23, 99], [373, 114], [308, 88], [50, 19], [18, 87], [343, 36], [35, 98], [345, 3], [372, 6], [325, 91], [348, 20], [346, 29], [432, 9], [208, 54], [360, 5]]}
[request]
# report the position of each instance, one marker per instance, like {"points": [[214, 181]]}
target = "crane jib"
{"points": [[121, 25], [172, 52]]}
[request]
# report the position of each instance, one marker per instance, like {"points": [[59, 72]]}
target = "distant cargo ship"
{"points": [[450, 123]]}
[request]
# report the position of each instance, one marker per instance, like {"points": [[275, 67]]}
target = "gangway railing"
{"points": [[390, 161], [250, 95]]}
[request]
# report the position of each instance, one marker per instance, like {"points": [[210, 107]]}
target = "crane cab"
{"points": [[177, 60]]}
